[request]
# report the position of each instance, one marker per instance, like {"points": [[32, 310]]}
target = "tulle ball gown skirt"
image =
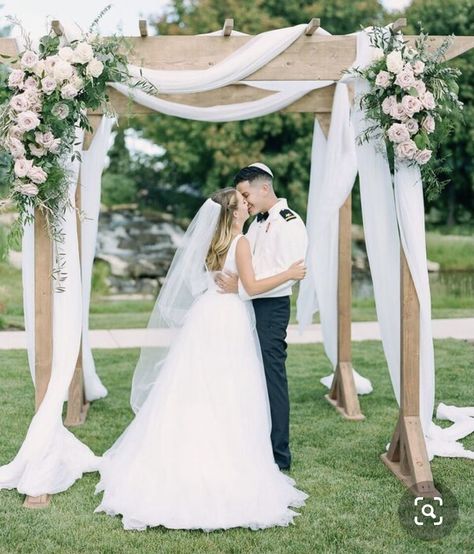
{"points": [[198, 453]]}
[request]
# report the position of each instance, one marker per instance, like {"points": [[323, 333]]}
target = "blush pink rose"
{"points": [[423, 156], [17, 150], [27, 121], [28, 189], [428, 100], [15, 79], [22, 167], [398, 132], [388, 103], [411, 105], [406, 149], [20, 103], [418, 67], [428, 124], [398, 112], [37, 151], [48, 84], [412, 126], [69, 91], [383, 79], [420, 87], [37, 174], [29, 60], [405, 79]]}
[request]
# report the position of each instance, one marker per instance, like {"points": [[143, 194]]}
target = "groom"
{"points": [[277, 238]]}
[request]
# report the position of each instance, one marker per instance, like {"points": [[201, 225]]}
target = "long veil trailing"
{"points": [[185, 281]]}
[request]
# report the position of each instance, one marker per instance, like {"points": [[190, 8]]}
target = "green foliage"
{"points": [[456, 158], [118, 189]]}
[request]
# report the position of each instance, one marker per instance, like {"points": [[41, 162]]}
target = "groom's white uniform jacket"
{"points": [[276, 242]]}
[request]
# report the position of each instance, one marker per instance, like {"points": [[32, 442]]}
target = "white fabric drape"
{"points": [[51, 458]]}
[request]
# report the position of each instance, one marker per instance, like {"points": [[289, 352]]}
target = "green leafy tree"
{"points": [[444, 17], [205, 156]]}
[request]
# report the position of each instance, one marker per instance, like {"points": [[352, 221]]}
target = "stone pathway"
{"points": [[462, 328]]}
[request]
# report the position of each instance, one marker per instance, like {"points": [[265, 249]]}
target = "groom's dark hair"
{"points": [[251, 174]]}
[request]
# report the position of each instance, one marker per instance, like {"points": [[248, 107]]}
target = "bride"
{"points": [[198, 454]]}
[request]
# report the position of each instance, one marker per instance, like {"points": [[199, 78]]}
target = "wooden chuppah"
{"points": [[311, 57]]}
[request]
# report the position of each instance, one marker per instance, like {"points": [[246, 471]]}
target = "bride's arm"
{"points": [[252, 286]]}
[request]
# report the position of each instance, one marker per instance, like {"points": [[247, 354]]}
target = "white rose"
{"points": [[406, 149], [37, 151], [30, 83], [398, 132], [39, 68], [412, 126], [37, 174], [34, 98], [83, 53], [420, 87], [423, 156], [383, 79], [62, 70], [394, 62], [22, 166], [398, 112], [418, 67], [388, 103], [428, 124], [66, 53], [28, 189], [428, 100], [15, 79], [15, 132], [76, 82], [94, 68], [27, 121], [405, 79], [48, 84], [69, 91], [45, 139], [29, 60], [54, 146], [17, 150], [49, 64], [411, 105], [60, 110], [20, 103]]}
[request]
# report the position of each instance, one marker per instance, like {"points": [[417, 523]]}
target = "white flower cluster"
{"points": [[412, 112], [35, 79]]}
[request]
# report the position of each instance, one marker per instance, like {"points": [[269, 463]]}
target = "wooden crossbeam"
{"points": [[228, 27], [143, 27], [314, 24], [57, 27], [399, 24]]}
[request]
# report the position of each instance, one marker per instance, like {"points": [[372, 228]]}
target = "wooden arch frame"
{"points": [[311, 57]]}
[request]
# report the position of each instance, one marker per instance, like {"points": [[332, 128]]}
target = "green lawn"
{"points": [[353, 497]]}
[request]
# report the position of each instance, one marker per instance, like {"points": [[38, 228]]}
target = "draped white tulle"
{"points": [[376, 197], [198, 454]]}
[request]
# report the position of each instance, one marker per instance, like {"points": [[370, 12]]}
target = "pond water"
{"points": [[457, 284]]}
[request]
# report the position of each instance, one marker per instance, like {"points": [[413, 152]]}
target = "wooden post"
{"points": [[77, 405], [407, 457], [43, 253], [343, 393]]}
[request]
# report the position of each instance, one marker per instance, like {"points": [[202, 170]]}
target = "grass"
{"points": [[453, 252], [353, 497]]}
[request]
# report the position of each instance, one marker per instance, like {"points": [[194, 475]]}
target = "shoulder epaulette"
{"points": [[287, 215]]}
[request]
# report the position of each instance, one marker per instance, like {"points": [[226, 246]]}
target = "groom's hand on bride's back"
{"points": [[227, 282]]}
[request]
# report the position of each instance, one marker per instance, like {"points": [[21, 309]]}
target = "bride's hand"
{"points": [[297, 270]]}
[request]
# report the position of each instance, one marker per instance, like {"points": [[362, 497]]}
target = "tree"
{"points": [[205, 156], [443, 17]]}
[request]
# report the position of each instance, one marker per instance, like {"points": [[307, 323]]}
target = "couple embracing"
{"points": [[211, 432]]}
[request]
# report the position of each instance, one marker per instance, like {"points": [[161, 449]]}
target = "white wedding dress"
{"points": [[198, 453]]}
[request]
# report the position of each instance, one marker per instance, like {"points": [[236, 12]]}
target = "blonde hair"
{"points": [[220, 243]]}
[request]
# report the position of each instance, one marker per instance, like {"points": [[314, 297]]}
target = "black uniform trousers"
{"points": [[272, 317]]}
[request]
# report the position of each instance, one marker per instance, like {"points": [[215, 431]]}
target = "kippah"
{"points": [[263, 167]]}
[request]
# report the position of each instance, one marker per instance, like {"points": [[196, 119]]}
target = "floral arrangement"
{"points": [[49, 93], [412, 100]]}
